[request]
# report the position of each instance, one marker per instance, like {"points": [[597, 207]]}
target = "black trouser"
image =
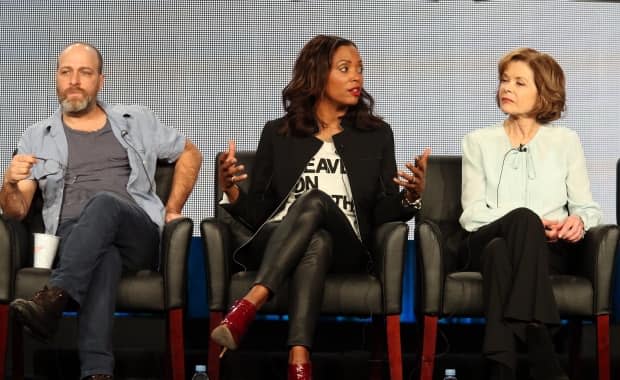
{"points": [[314, 238], [515, 260]]}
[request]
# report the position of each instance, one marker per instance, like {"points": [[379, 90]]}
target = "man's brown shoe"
{"points": [[40, 315]]}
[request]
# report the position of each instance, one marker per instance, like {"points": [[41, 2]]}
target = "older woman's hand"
{"points": [[572, 229], [414, 183], [552, 229]]}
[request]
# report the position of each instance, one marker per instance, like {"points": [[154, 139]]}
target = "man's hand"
{"points": [[17, 190], [170, 216], [414, 183], [230, 173], [19, 168]]}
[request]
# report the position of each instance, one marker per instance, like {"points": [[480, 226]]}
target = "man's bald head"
{"points": [[82, 45]]}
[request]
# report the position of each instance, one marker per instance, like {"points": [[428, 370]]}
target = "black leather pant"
{"points": [[515, 260], [314, 238]]}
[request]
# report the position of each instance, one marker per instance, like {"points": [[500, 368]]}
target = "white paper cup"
{"points": [[45, 246]]}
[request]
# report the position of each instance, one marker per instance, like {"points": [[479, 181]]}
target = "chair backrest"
{"points": [[163, 184], [441, 204], [238, 230], [163, 179], [442, 198]]}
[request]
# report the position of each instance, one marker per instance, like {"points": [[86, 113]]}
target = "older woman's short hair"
{"points": [[549, 80]]}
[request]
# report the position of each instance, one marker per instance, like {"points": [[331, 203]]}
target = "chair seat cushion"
{"points": [[344, 294], [463, 295], [141, 291]]}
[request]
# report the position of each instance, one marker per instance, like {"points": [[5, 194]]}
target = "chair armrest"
{"points": [[15, 253], [431, 271], [389, 261], [216, 241], [599, 251], [175, 242]]}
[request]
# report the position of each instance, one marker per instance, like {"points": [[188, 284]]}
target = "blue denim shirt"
{"points": [[137, 129]]}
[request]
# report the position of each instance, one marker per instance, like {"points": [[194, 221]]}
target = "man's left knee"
{"points": [[103, 203]]}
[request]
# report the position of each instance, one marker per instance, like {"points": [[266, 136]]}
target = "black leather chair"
{"points": [[444, 291], [345, 294], [149, 291]]}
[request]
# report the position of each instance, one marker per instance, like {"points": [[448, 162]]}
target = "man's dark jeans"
{"points": [[111, 234]]}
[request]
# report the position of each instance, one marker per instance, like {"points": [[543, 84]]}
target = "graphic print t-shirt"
{"points": [[326, 172]]}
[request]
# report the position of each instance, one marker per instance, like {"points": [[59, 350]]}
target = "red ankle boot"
{"points": [[232, 329], [300, 371]]}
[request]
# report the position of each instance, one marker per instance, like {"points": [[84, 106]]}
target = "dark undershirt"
{"points": [[96, 162]]}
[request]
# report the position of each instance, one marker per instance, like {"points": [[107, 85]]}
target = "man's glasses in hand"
{"points": [[50, 167]]}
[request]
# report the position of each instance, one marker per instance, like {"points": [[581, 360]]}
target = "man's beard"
{"points": [[75, 106]]}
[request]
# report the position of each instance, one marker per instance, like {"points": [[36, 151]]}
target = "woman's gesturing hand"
{"points": [[414, 181], [230, 173]]}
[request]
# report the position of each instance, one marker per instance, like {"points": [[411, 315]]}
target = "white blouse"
{"points": [[548, 176]]}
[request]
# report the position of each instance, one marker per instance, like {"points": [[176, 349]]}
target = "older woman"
{"points": [[526, 204]]}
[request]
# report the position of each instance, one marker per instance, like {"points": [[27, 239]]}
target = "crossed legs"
{"points": [[111, 234], [301, 248], [517, 289]]}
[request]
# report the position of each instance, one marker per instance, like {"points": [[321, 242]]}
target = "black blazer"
{"points": [[368, 156]]}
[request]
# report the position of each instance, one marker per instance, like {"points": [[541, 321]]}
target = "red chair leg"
{"points": [[602, 344], [176, 348], [575, 333], [4, 336], [213, 368], [428, 347], [395, 356], [18, 352]]}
